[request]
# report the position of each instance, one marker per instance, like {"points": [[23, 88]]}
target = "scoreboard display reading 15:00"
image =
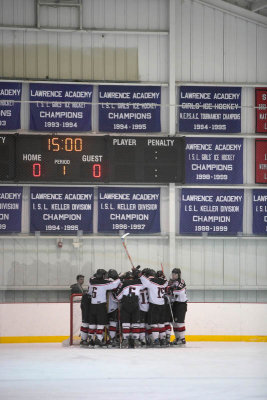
{"points": [[98, 159], [46, 158]]}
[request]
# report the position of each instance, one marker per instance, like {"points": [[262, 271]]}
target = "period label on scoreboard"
{"points": [[135, 210], [261, 110], [61, 210], [259, 212], [209, 109], [129, 109], [60, 107], [10, 209], [10, 105], [211, 211], [261, 161], [214, 161]]}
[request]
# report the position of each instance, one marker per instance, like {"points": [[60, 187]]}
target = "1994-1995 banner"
{"points": [[129, 109], [210, 109], [61, 210], [10, 209]]}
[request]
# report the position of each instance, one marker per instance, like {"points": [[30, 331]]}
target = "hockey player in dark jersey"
{"points": [[98, 310], [156, 314], [179, 305], [128, 294], [112, 311]]}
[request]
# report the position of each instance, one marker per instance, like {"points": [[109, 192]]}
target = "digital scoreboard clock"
{"points": [[95, 159]]}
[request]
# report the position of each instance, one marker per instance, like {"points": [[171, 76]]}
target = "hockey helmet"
{"points": [[113, 274], [176, 271], [100, 273]]}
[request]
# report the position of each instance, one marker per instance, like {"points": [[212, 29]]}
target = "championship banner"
{"points": [[261, 110], [135, 210], [261, 161], [10, 209], [129, 109], [259, 212], [60, 107], [61, 210], [10, 98], [211, 211], [214, 161], [210, 109]]}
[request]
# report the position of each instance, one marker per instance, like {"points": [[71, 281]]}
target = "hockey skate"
{"points": [[155, 343], [162, 342], [181, 342], [136, 343], [84, 343], [100, 343], [125, 344]]}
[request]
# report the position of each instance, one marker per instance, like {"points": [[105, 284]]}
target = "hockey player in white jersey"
{"points": [[98, 310], [156, 314], [128, 294], [144, 307], [179, 305]]}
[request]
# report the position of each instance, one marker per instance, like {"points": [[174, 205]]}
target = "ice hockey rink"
{"points": [[201, 370]]}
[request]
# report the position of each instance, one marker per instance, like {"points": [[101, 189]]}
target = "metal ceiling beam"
{"points": [[258, 5]]}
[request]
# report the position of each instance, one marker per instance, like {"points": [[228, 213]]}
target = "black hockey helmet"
{"points": [[152, 272], [113, 274], [145, 272], [176, 271], [100, 273], [160, 274]]}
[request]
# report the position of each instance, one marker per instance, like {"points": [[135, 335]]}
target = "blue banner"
{"points": [[135, 210], [60, 107], [10, 97], [214, 161], [10, 209], [259, 212], [210, 109], [211, 211], [61, 210], [129, 109]]}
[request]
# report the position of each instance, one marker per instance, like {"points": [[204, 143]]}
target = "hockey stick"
{"points": [[125, 247]]}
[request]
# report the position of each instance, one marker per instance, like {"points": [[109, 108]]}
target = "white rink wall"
{"points": [[203, 319]]}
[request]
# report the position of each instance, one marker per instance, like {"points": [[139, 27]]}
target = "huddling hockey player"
{"points": [[179, 305]]}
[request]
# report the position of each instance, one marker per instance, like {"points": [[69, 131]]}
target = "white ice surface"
{"points": [[202, 370]]}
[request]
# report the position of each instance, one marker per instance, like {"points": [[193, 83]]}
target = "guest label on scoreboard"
{"points": [[60, 107], [261, 110], [208, 109], [129, 109]]}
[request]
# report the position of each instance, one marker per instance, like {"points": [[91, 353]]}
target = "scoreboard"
{"points": [[91, 159]]}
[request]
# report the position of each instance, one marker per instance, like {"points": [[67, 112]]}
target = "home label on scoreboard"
{"points": [[70, 159]]}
